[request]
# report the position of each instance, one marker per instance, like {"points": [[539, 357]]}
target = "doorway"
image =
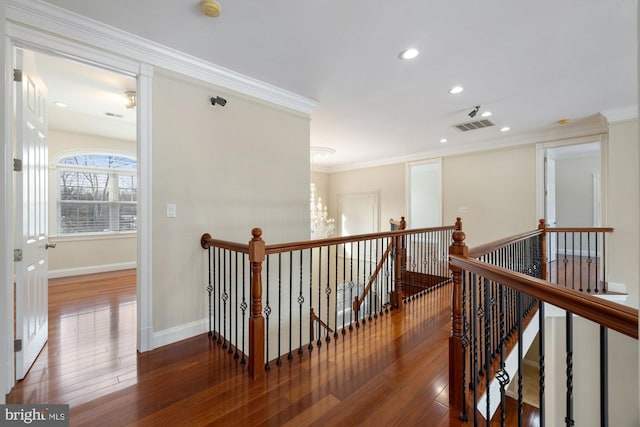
{"points": [[90, 204]]}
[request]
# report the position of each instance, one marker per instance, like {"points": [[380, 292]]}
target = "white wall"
{"points": [[81, 255], [387, 181], [227, 170], [623, 207], [492, 191], [574, 191]]}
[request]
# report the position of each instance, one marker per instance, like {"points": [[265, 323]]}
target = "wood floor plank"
{"points": [[389, 371]]}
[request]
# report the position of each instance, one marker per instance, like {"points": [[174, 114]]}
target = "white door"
{"points": [[550, 204], [31, 214]]}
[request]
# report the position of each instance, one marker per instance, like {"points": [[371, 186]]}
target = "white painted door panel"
{"points": [[31, 214]]}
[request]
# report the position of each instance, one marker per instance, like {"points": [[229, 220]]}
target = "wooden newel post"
{"points": [[256, 320], [456, 349], [400, 265], [543, 244]]}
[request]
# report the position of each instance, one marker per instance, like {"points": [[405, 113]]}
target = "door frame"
{"points": [[28, 38], [540, 170]]}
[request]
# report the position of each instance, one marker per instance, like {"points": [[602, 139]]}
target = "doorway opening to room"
{"points": [[76, 197]]}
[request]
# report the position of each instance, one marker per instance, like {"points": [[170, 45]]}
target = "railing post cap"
{"points": [[458, 224], [541, 223], [204, 240], [256, 233], [458, 238]]}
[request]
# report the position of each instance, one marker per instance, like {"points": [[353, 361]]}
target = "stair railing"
{"points": [[497, 289], [271, 303]]}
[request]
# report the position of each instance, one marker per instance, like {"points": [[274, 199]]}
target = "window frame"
{"points": [[113, 191]]}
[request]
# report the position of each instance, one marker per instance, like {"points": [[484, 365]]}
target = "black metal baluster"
{"points": [[589, 262], [604, 377], [573, 261], [279, 360], [520, 357], [236, 355], [267, 315], [219, 340], [290, 355], [210, 289], [581, 237], [310, 346], [357, 314], [569, 421], [487, 348], [300, 302], [243, 307], [319, 341], [351, 286], [376, 284], [230, 297], [327, 291], [598, 259], [465, 343], [480, 317], [604, 263], [371, 303], [225, 297], [344, 285], [474, 342], [335, 305], [502, 376]]}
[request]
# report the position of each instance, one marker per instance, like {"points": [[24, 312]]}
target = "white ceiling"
{"points": [[530, 63]]}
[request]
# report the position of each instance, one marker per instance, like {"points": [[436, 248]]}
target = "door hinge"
{"points": [[17, 346], [17, 255], [17, 75], [17, 165]]}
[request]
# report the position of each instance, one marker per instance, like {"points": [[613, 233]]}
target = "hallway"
{"points": [[392, 371]]}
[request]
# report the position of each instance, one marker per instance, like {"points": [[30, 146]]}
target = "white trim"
{"points": [[6, 223], [179, 333], [591, 131], [79, 271], [55, 20], [621, 114], [145, 219]]}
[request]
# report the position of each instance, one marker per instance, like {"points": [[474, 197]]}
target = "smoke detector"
{"points": [[211, 8]]}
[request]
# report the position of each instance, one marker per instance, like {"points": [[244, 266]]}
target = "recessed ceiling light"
{"points": [[443, 140], [486, 114], [505, 129], [60, 104], [409, 53], [456, 89]]}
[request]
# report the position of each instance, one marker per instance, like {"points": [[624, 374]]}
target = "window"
{"points": [[97, 194]]}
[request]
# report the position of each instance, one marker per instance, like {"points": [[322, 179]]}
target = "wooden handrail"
{"points": [[579, 229], [206, 241], [478, 251], [357, 302], [308, 244], [612, 315], [315, 318]]}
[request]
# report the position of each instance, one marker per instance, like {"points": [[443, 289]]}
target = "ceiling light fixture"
{"points": [[505, 129], [443, 140], [409, 53], [473, 112], [130, 101], [456, 90], [486, 114], [60, 104], [211, 8]]}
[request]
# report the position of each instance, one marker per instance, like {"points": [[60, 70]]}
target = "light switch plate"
{"points": [[171, 210]]}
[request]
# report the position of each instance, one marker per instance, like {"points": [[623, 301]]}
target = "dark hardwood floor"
{"points": [[392, 371]]}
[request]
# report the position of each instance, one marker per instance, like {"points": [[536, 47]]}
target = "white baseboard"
{"points": [[92, 269], [179, 333]]}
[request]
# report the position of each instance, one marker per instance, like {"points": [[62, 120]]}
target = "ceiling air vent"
{"points": [[478, 124]]}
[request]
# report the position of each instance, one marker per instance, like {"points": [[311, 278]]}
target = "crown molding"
{"points": [[621, 114], [592, 128], [69, 25]]}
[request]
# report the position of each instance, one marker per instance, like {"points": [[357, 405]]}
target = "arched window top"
{"points": [[100, 161]]}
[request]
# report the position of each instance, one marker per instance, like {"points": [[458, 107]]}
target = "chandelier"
{"points": [[321, 225]]}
